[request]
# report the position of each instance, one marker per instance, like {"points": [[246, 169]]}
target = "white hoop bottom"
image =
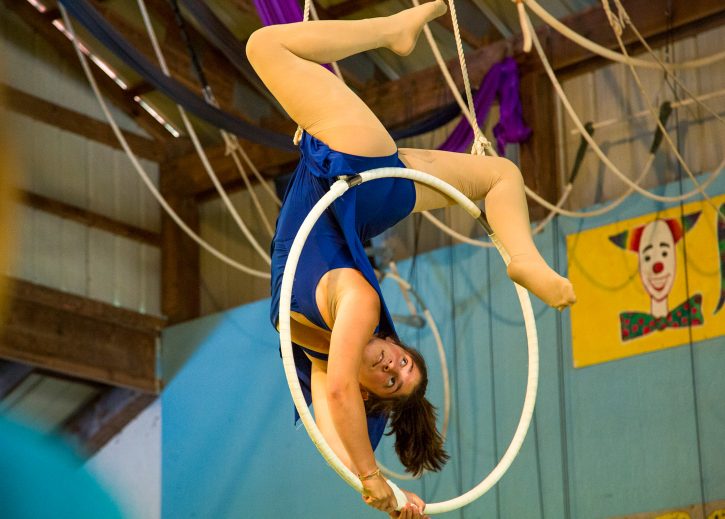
{"points": [[336, 190]]}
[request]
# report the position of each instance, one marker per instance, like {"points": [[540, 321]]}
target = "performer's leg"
{"points": [[499, 181], [287, 59]]}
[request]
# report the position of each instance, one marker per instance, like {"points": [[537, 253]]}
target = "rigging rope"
{"points": [[137, 166]]}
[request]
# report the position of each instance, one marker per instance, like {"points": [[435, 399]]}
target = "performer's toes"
{"points": [[537, 277], [410, 22]]}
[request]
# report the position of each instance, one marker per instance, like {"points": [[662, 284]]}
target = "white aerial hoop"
{"points": [[336, 190]]}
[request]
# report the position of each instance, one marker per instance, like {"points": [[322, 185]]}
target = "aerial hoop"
{"points": [[336, 190]]}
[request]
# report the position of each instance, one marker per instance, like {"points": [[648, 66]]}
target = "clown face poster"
{"points": [[648, 283]]}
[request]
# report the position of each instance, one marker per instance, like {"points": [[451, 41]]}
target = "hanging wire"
{"points": [[691, 345]]}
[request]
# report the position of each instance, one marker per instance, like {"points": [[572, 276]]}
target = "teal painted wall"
{"points": [[640, 434]]}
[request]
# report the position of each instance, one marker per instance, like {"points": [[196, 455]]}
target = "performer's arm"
{"points": [[356, 313], [322, 412]]}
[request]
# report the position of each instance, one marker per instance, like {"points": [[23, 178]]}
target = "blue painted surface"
{"points": [[640, 434], [42, 477]]}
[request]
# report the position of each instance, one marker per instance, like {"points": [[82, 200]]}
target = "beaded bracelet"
{"points": [[372, 475]]}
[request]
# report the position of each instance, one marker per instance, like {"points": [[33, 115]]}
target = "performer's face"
{"points": [[657, 266], [387, 369]]}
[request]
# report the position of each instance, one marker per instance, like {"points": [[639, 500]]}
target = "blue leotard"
{"points": [[337, 239]]}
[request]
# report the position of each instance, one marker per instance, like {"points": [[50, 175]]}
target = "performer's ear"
{"points": [[364, 393]]}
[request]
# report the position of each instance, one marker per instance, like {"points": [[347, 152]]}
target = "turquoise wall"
{"points": [[640, 434]]}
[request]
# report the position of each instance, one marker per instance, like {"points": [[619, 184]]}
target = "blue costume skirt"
{"points": [[336, 241]]}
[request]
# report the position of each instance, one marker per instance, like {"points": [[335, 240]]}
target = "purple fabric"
{"points": [[273, 12], [511, 126], [502, 81]]}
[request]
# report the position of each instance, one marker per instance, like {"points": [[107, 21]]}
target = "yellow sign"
{"points": [[648, 283]]}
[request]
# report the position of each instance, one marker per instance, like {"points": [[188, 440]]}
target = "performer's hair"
{"points": [[418, 443]]}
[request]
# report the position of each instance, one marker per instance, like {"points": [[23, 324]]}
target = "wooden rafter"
{"points": [[42, 25], [343, 9], [89, 218], [195, 180], [87, 339], [220, 74], [78, 123]]}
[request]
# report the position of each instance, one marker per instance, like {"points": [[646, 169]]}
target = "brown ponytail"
{"points": [[418, 443]]}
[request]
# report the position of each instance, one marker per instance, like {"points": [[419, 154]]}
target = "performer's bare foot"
{"points": [[406, 25], [537, 277]]}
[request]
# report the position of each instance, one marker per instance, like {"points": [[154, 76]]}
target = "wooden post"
{"points": [[80, 337], [539, 157], [180, 298]]}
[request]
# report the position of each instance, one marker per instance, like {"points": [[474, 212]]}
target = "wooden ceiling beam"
{"points": [[42, 25], [350, 7], [89, 218], [87, 339], [219, 73], [96, 423], [343, 9], [195, 180], [467, 36], [80, 124], [420, 93]]}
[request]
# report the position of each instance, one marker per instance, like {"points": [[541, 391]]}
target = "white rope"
{"points": [[232, 147], [336, 190], [310, 9], [624, 17], [606, 53], [480, 143], [484, 146], [258, 175], [525, 31], [409, 303], [653, 112], [198, 147], [676, 104], [447, 75], [615, 203], [595, 147], [139, 169], [406, 288]]}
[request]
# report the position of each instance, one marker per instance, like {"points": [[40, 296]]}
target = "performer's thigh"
{"points": [[318, 100], [473, 175]]}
